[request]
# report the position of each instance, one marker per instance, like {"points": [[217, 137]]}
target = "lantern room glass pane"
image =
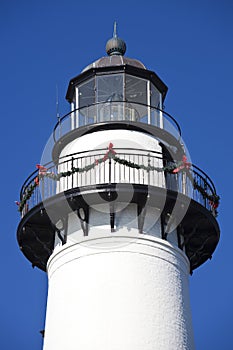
{"points": [[155, 97], [110, 88], [86, 93], [136, 89]]}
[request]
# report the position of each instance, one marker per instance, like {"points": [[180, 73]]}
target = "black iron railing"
{"points": [[117, 165], [120, 111]]}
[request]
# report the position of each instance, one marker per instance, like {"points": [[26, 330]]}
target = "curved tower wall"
{"points": [[118, 292], [117, 289]]}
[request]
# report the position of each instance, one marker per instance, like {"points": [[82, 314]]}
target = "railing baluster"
{"points": [[205, 187], [184, 182], [148, 171], [72, 176], [42, 188], [67, 177], [129, 169], [110, 171]]}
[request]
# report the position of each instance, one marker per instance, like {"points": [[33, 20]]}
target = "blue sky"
{"points": [[44, 44]]}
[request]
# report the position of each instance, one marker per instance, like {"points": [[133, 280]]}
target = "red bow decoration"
{"points": [[42, 169], [214, 205], [37, 181], [184, 165], [17, 203], [214, 201], [110, 151]]}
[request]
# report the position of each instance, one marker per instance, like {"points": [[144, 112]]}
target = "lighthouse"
{"points": [[120, 217]]}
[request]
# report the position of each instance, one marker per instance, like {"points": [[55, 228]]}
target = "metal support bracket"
{"points": [[162, 221], [112, 217], [141, 211], [63, 238], [83, 215]]}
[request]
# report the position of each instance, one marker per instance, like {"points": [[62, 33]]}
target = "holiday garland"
{"points": [[212, 198], [172, 168]]}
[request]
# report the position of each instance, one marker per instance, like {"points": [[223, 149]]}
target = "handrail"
{"points": [[206, 177], [201, 178], [50, 164], [69, 114]]}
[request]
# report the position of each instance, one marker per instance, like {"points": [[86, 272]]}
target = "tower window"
{"points": [[110, 88]]}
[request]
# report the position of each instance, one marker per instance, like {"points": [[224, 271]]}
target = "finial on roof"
{"points": [[115, 30], [115, 45]]}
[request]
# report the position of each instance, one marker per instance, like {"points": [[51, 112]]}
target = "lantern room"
{"points": [[115, 88]]}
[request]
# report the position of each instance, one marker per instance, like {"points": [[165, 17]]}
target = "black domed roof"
{"points": [[115, 49], [114, 60]]}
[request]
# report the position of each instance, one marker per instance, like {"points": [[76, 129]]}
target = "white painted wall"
{"points": [[126, 223], [118, 292]]}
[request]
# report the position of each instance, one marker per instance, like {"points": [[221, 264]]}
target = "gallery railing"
{"points": [[116, 111], [116, 166]]}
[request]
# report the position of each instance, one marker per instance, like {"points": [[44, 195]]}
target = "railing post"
{"points": [[72, 176], [148, 103], [161, 122], [184, 180], [110, 116], [42, 188], [76, 108], [148, 170], [72, 121], [110, 170], [205, 187]]}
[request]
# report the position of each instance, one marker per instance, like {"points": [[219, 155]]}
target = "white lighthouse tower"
{"points": [[119, 218]]}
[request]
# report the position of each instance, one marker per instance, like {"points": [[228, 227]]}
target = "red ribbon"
{"points": [[184, 165], [42, 169], [17, 203], [110, 151], [37, 181], [214, 205]]}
